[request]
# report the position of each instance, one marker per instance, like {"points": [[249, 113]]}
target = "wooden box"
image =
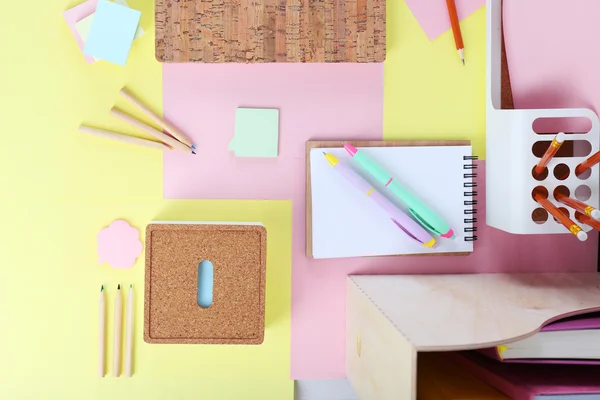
{"points": [[390, 319]]}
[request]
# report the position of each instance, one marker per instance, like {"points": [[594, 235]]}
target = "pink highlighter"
{"points": [[401, 219]]}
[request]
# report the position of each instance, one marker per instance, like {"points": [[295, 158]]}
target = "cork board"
{"points": [[367, 143], [263, 31], [171, 310]]}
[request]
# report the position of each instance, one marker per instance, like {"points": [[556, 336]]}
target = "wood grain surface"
{"points": [[262, 31], [389, 319], [320, 144]]}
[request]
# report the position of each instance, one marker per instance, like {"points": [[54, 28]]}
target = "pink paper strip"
{"points": [[552, 52], [336, 102], [433, 14], [75, 15]]}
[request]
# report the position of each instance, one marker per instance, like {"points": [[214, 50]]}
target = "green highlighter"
{"points": [[420, 211]]}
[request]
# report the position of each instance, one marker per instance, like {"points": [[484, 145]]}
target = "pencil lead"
{"points": [[102, 288], [119, 287], [463, 60], [130, 286], [324, 153], [193, 152]]}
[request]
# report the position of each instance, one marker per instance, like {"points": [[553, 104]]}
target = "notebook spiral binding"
{"points": [[470, 213]]}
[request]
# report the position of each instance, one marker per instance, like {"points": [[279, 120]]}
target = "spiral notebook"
{"points": [[342, 222]]}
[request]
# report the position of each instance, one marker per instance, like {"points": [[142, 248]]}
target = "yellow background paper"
{"points": [[428, 93], [59, 188]]}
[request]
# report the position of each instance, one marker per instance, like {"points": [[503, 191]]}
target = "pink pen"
{"points": [[401, 219]]}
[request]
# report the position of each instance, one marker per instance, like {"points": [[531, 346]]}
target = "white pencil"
{"points": [[101, 333], [157, 120], [118, 333], [163, 137], [123, 138], [129, 333]]}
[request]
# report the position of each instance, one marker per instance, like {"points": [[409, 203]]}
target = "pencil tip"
{"points": [[102, 288], [324, 153], [119, 287], [130, 286], [193, 152], [463, 61]]}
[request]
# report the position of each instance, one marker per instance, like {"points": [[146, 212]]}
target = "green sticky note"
{"points": [[256, 133]]}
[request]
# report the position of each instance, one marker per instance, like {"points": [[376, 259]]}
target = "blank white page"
{"points": [[346, 223]]}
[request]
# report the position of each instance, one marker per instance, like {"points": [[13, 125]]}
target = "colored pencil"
{"points": [[587, 164], [123, 138], [579, 206], [163, 137], [156, 119], [129, 335], [118, 333], [458, 40], [562, 218], [584, 219], [101, 333], [558, 141]]}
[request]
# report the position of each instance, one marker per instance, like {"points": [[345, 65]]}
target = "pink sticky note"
{"points": [[119, 245], [433, 14], [327, 102], [76, 14]]}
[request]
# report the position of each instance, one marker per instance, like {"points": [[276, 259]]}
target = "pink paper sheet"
{"points": [[317, 102], [433, 14], [76, 14], [552, 52]]}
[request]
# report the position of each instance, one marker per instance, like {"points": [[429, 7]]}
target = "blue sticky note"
{"points": [[112, 32]]}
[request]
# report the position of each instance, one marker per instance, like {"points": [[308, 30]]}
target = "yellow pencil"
{"points": [[101, 333], [129, 335], [157, 120], [118, 333]]}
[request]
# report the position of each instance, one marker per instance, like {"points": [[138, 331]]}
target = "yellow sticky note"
{"points": [[428, 93]]}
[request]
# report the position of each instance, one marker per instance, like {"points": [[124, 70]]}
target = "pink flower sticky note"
{"points": [[119, 245]]}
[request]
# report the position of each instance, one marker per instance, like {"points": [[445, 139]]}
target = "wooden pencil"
{"points": [[562, 218], [156, 119], [579, 206], [587, 164], [163, 137], [129, 335], [556, 143], [150, 144], [584, 219], [117, 333], [455, 23], [101, 333]]}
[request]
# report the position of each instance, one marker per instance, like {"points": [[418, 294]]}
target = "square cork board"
{"points": [[264, 31], [171, 310]]}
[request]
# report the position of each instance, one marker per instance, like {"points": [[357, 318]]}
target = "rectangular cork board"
{"points": [[171, 310], [264, 31], [316, 144]]}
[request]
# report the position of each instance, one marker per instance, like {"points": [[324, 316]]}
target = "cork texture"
{"points": [[506, 97], [171, 311], [264, 31]]}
